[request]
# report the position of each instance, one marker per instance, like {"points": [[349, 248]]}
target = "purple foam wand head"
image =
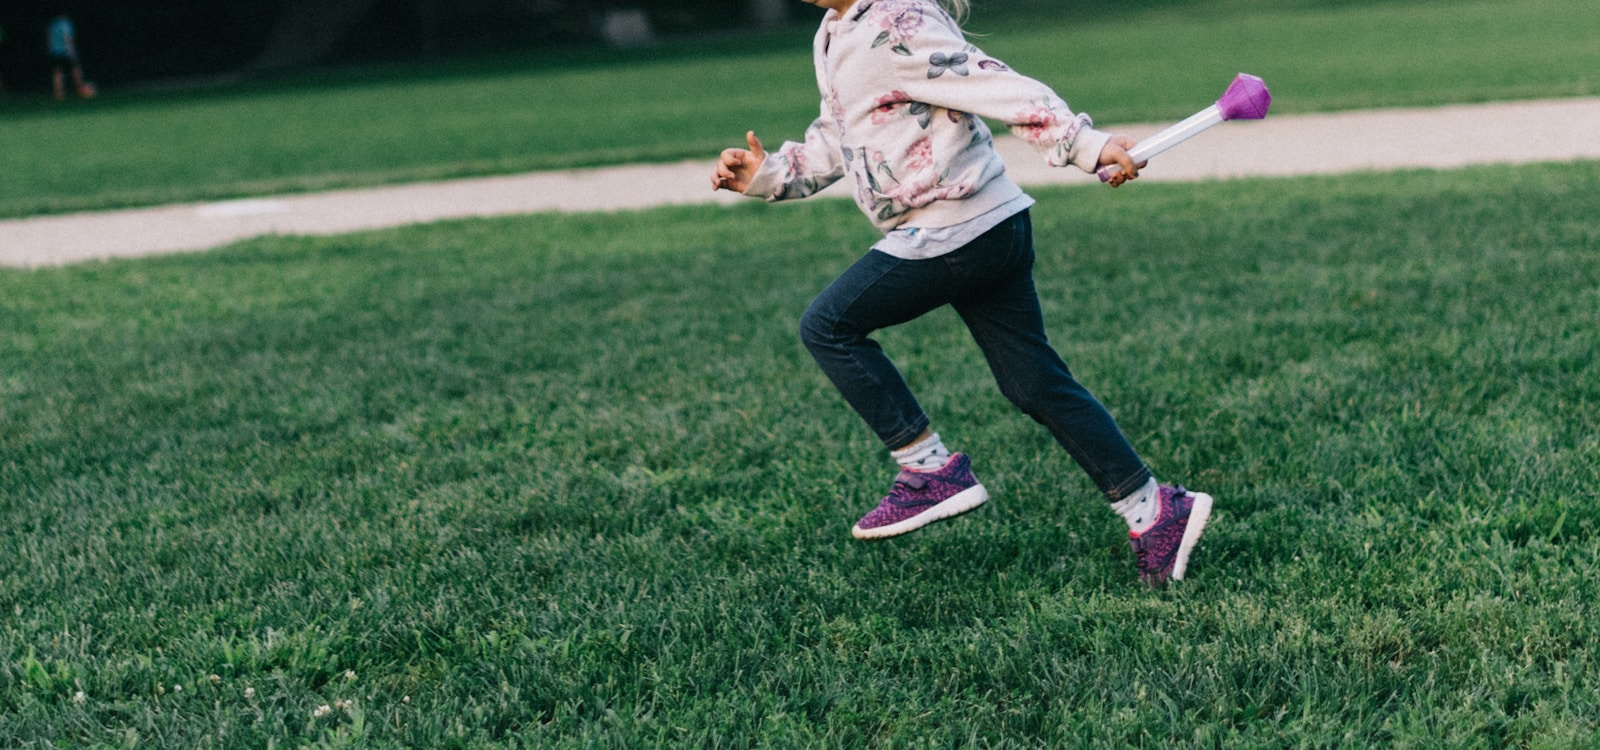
{"points": [[1247, 98]]}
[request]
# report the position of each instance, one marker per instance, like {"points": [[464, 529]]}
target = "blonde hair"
{"points": [[958, 9]]}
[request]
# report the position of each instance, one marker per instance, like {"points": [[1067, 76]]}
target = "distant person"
{"points": [[63, 39], [903, 97]]}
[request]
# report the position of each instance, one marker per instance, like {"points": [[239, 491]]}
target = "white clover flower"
{"points": [[79, 698], [405, 699], [177, 688], [249, 692], [321, 711], [215, 679], [349, 675]]}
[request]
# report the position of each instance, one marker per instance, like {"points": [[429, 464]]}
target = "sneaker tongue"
{"points": [[912, 480]]}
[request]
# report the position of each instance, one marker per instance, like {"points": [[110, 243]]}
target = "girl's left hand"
{"points": [[1116, 152]]}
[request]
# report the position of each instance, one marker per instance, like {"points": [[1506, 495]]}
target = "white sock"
{"points": [[1140, 508], [926, 455]]}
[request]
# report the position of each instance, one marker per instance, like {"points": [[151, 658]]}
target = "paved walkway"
{"points": [[1443, 137]]}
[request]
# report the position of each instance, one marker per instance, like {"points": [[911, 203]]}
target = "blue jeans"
{"points": [[989, 282]]}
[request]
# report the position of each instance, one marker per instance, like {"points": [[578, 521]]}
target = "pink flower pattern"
{"points": [[796, 158], [1041, 123], [920, 156], [836, 107], [925, 189], [885, 109], [900, 20], [918, 185]]}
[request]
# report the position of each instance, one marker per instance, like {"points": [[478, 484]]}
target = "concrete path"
{"points": [[1443, 137]]}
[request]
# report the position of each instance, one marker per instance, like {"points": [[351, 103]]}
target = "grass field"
{"points": [[571, 481], [1122, 62]]}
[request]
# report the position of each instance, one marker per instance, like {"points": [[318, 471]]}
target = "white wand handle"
{"points": [[1247, 98], [1196, 124]]}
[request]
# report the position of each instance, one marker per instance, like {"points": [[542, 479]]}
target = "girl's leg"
{"points": [[877, 292], [1164, 523], [1005, 319]]}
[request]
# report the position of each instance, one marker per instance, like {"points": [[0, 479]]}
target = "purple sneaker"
{"points": [[1163, 549], [920, 498]]}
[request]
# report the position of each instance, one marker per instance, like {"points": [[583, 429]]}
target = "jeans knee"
{"points": [[1040, 397], [1028, 400], [816, 328]]}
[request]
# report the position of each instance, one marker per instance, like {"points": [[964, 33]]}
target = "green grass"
{"points": [[571, 481], [558, 108]]}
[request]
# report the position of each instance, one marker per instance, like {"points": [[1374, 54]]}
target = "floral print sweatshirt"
{"points": [[902, 96]]}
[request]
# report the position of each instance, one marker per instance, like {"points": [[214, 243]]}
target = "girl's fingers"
{"points": [[724, 174], [736, 160], [721, 175]]}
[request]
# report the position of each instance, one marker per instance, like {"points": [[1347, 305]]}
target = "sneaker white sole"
{"points": [[952, 506], [1198, 516]]}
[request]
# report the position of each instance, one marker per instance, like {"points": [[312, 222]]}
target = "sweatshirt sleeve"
{"points": [[801, 169], [937, 66]]}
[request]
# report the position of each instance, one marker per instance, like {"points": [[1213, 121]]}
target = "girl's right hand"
{"points": [[1116, 153], [738, 166]]}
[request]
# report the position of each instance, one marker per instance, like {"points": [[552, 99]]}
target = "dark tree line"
{"points": [[126, 41]]}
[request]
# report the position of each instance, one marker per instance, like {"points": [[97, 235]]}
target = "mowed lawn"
{"points": [[571, 481], [556, 108]]}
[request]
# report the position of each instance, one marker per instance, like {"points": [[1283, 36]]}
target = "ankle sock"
{"points": [[1140, 508], [928, 454]]}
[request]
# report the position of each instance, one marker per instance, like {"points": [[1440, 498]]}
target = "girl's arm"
{"points": [[801, 169], [937, 66]]}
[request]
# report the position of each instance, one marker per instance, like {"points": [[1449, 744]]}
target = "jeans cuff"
{"points": [[904, 437], [1122, 489]]}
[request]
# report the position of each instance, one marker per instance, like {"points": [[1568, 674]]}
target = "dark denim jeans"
{"points": [[989, 282]]}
